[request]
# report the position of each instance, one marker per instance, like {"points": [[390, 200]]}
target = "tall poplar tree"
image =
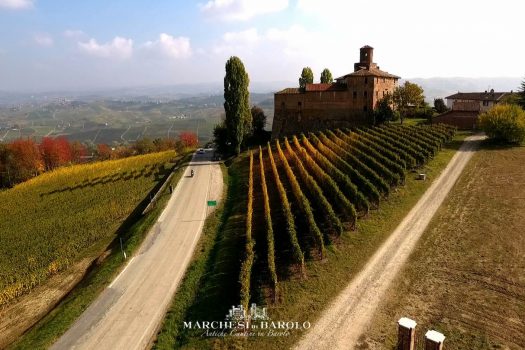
{"points": [[307, 77], [237, 102], [326, 76]]}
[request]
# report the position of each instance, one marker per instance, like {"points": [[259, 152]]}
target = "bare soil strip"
{"points": [[343, 322]]}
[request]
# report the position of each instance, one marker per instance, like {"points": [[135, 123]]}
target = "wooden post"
{"points": [[406, 334], [434, 340]]}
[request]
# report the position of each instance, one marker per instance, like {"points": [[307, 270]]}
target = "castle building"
{"points": [[348, 101]]}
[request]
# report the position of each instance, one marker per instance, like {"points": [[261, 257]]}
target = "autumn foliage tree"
{"points": [[24, 160], [188, 139], [55, 152]]}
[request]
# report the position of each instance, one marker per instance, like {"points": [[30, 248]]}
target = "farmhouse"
{"points": [[346, 102], [465, 107]]}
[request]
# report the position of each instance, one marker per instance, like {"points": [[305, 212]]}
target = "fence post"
{"points": [[434, 340], [406, 334]]}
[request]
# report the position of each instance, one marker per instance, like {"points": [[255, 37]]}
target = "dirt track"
{"points": [[343, 322], [127, 314]]}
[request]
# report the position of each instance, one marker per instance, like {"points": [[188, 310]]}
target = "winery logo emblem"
{"points": [[255, 313], [241, 322]]}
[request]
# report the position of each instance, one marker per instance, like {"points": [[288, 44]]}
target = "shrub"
{"points": [[504, 123]]}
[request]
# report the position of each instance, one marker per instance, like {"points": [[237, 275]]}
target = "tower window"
{"points": [[355, 94], [299, 104], [366, 80]]}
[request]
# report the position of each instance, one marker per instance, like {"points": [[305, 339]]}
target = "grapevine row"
{"points": [[297, 253], [317, 194], [377, 180], [246, 268], [269, 228], [348, 187], [379, 168], [302, 202], [362, 182]]}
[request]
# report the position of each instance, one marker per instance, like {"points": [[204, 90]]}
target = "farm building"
{"points": [[465, 107], [346, 102]]}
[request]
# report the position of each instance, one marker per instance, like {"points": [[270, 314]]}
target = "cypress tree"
{"points": [[237, 102]]}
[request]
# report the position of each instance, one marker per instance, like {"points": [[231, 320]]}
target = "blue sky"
{"points": [[62, 44]]}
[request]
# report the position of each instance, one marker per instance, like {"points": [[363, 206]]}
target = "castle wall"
{"points": [[316, 110]]}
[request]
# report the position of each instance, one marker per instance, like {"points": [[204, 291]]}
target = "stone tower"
{"points": [[366, 59]]}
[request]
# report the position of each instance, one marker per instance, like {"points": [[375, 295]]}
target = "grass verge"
{"points": [[134, 230]]}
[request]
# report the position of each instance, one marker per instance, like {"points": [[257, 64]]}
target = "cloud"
{"points": [[241, 10], [120, 48], [169, 46], [242, 41], [16, 4], [43, 39], [74, 34]]}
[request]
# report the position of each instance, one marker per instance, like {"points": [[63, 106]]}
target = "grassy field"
{"points": [[50, 222], [466, 277], [300, 299]]}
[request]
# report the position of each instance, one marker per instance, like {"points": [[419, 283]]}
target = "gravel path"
{"points": [[347, 318]]}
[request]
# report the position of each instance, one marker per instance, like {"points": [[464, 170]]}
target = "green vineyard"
{"points": [[50, 222], [305, 191]]}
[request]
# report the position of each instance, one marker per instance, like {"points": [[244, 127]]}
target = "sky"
{"points": [[65, 44]]}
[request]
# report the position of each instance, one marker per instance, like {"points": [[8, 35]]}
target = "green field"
{"points": [[50, 222]]}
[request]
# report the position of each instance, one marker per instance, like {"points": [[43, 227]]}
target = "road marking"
{"points": [[121, 272]]}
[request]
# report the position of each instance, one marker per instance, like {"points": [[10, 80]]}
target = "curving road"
{"points": [[341, 324], [128, 313]]}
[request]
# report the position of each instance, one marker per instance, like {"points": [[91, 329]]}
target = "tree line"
{"points": [[23, 159]]}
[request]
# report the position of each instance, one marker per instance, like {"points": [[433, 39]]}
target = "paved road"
{"points": [[341, 324], [127, 313]]}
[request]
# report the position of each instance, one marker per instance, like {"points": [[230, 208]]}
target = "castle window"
{"points": [[299, 104], [377, 94], [366, 80], [355, 94], [282, 105]]}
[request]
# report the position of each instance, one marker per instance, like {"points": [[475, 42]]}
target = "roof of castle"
{"points": [[314, 88], [374, 72]]}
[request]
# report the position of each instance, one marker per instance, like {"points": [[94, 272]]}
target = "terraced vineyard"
{"points": [[305, 191], [53, 220]]}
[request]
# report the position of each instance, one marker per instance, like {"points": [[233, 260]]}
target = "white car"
{"points": [[200, 151]]}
